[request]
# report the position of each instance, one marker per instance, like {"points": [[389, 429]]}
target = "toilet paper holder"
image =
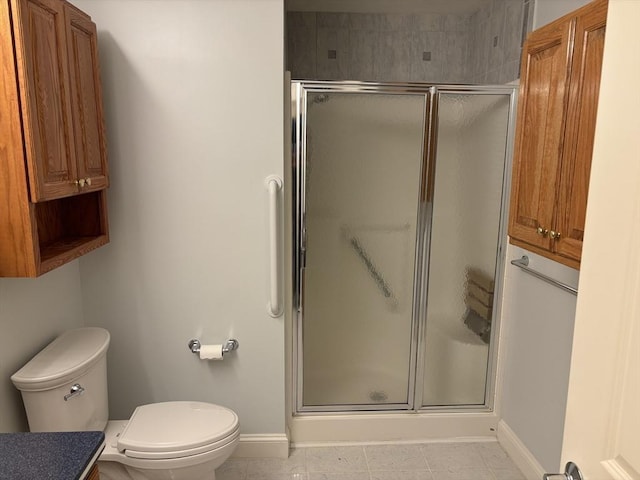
{"points": [[229, 345]]}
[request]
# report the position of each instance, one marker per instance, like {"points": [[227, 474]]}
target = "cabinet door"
{"points": [[40, 39], [542, 104], [580, 130], [86, 100]]}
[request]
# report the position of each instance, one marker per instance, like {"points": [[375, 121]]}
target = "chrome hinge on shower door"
{"points": [[571, 472]]}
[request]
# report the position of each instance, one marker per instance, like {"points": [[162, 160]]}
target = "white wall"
{"points": [[538, 324], [194, 104], [32, 313]]}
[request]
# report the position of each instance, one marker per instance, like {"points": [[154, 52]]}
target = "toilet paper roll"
{"points": [[211, 352]]}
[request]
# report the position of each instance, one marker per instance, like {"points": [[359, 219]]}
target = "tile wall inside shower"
{"points": [[481, 47]]}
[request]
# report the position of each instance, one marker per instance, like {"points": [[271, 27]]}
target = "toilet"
{"points": [[64, 388]]}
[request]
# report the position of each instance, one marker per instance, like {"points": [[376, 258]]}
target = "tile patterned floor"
{"points": [[425, 461]]}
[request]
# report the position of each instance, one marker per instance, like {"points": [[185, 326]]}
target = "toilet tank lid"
{"points": [[67, 357]]}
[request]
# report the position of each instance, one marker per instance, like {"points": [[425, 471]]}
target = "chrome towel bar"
{"points": [[523, 263]]}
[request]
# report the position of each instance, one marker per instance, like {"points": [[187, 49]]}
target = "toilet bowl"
{"points": [[64, 388], [169, 440]]}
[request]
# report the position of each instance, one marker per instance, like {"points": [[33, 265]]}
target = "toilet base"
{"points": [[117, 471], [112, 471], [114, 465]]}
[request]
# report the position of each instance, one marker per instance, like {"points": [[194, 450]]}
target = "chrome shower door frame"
{"points": [[492, 361], [299, 118], [299, 91]]}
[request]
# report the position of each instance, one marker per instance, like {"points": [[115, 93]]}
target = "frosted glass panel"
{"points": [[363, 164], [470, 160]]}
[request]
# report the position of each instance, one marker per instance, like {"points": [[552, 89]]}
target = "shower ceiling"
{"points": [[387, 6]]}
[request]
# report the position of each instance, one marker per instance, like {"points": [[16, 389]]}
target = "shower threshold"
{"points": [[411, 426]]}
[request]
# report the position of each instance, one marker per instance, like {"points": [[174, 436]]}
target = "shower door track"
{"points": [[300, 88]]}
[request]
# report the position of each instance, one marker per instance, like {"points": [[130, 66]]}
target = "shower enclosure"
{"points": [[398, 228]]}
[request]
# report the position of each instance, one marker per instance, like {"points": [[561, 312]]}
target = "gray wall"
{"points": [[483, 47], [377, 47], [32, 313], [548, 10], [194, 103], [188, 252], [538, 320]]}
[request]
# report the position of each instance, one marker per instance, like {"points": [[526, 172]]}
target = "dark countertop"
{"points": [[48, 455]]}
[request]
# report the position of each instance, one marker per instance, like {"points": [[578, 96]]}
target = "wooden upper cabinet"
{"points": [[544, 88], [580, 130], [57, 59], [43, 75], [86, 99], [560, 81], [53, 165]]}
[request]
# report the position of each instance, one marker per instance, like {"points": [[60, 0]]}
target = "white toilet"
{"points": [[64, 388]]}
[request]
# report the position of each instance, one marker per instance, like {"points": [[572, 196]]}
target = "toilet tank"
{"points": [[64, 387]]}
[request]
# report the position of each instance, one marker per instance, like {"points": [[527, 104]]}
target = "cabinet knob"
{"points": [[81, 182], [554, 235], [542, 231], [88, 181]]}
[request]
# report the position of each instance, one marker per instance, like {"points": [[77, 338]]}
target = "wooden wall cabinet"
{"points": [[53, 160], [560, 81]]}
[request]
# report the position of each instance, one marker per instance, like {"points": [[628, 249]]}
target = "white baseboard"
{"points": [[277, 446], [519, 453], [271, 445]]}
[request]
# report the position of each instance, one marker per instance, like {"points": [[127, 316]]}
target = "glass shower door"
{"points": [[470, 159], [361, 188]]}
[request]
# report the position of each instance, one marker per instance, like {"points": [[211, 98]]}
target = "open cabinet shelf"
{"points": [[70, 227]]}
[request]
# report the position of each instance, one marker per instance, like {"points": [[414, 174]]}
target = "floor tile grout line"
{"points": [[486, 463], [366, 461], [426, 460]]}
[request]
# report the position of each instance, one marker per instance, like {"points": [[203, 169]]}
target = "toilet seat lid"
{"points": [[176, 426]]}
